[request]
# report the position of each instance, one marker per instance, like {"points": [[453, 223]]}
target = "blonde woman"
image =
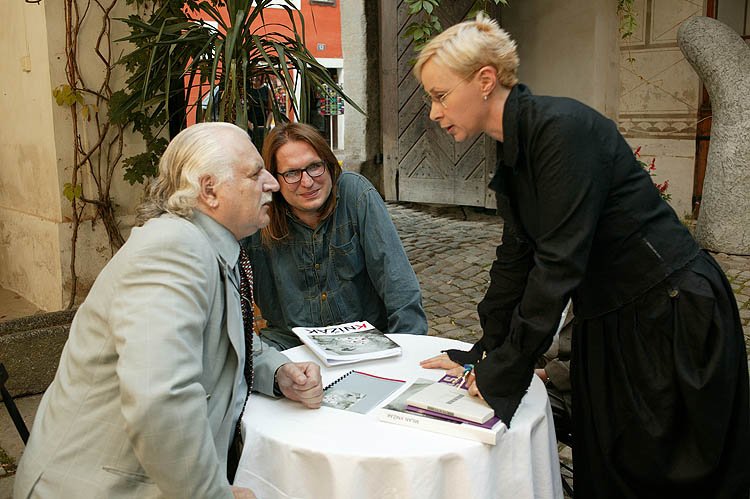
{"points": [[659, 374]]}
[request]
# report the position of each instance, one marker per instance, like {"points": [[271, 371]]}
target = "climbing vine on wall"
{"points": [[97, 142], [426, 23], [628, 20]]}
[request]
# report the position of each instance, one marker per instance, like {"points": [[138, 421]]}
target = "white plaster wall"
{"points": [[29, 252], [567, 49], [36, 154], [674, 162], [29, 184], [659, 95]]}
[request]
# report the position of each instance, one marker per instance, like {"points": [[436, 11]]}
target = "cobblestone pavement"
{"points": [[452, 248]]}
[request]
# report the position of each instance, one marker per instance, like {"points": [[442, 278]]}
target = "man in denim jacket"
{"points": [[331, 253]]}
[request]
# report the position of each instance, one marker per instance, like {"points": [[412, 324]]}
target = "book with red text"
{"points": [[347, 343]]}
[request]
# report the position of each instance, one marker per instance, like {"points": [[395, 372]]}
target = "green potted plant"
{"points": [[192, 52]]}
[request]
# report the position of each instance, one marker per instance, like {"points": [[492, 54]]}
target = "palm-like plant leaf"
{"points": [[175, 45]]}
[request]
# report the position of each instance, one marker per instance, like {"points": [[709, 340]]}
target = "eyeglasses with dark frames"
{"points": [[313, 170], [430, 99]]}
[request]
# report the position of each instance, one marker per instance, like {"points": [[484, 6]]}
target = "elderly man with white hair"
{"points": [[156, 371]]}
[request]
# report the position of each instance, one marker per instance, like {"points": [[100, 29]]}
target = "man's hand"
{"points": [[301, 381], [242, 493]]}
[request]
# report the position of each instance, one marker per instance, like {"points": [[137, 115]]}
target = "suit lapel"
{"points": [[227, 254], [235, 329]]}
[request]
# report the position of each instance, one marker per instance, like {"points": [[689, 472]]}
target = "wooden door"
{"points": [[421, 162]]}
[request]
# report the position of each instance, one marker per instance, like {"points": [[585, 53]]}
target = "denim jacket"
{"points": [[352, 267]]}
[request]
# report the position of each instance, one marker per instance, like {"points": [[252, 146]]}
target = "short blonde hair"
{"points": [[195, 152], [468, 46]]}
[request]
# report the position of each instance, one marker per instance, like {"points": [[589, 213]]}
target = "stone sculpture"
{"points": [[722, 60]]}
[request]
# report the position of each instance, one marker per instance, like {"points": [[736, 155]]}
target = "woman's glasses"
{"points": [[430, 99], [313, 170]]}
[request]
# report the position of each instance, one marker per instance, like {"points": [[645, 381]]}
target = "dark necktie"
{"points": [[246, 302]]}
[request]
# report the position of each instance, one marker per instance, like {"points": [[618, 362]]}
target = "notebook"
{"points": [[358, 391]]}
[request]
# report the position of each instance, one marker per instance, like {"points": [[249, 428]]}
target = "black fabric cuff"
{"points": [[466, 357], [504, 407]]}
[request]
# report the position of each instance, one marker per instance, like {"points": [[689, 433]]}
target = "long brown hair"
{"points": [[278, 229]]}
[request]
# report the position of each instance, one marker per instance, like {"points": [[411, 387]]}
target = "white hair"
{"points": [[195, 152]]}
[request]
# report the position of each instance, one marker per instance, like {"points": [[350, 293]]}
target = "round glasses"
{"points": [[430, 99], [313, 170]]}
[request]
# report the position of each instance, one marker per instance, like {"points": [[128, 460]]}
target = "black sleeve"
{"points": [[508, 276], [570, 178]]}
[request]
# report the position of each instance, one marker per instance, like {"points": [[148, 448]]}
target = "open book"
{"points": [[399, 412], [359, 391], [347, 343]]}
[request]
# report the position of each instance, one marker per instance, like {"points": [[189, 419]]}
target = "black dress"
{"points": [[658, 367]]}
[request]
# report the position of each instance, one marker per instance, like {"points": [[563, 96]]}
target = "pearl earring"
{"points": [[485, 97]]}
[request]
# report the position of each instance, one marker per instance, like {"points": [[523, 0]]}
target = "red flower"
{"points": [[650, 169]]}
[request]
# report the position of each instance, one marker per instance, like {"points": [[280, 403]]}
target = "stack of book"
{"points": [[444, 407]]}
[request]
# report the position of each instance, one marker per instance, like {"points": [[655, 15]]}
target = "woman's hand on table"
{"points": [[442, 361], [300, 381]]}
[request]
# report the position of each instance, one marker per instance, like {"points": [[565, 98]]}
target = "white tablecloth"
{"points": [[293, 452]]}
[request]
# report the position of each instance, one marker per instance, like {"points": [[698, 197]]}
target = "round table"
{"points": [[294, 452]]}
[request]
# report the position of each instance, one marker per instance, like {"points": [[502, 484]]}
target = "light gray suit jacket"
{"points": [[146, 394]]}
